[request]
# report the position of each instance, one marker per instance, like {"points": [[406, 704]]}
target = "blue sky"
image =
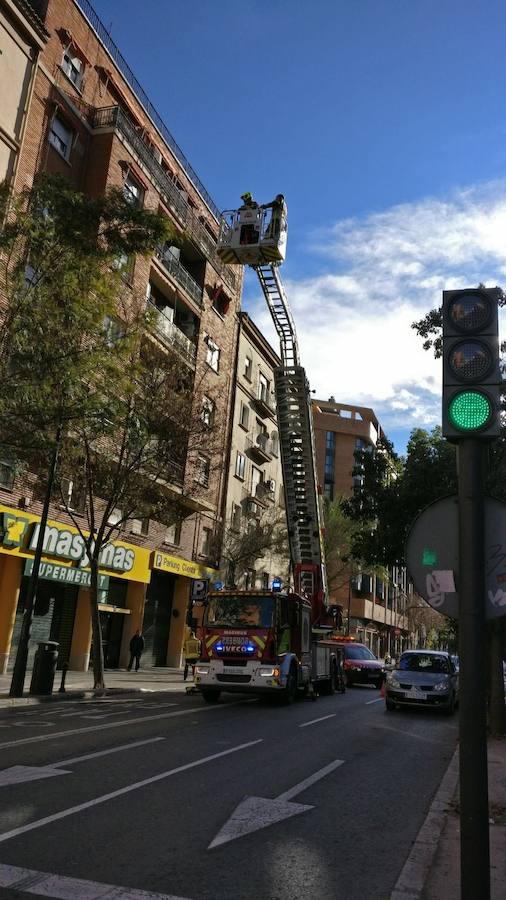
{"points": [[383, 123]]}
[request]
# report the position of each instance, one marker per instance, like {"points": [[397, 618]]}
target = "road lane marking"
{"points": [[76, 759], [410, 734], [314, 721], [376, 700], [93, 728], [15, 832], [43, 884], [254, 813], [20, 774]]}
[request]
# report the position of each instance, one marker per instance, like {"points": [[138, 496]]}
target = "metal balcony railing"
{"points": [[260, 446], [114, 117], [174, 267], [173, 336], [106, 39]]}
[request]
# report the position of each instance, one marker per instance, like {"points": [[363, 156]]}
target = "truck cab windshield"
{"points": [[240, 612]]}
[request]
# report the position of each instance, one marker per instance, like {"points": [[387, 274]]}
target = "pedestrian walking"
{"points": [[191, 651], [136, 648]]}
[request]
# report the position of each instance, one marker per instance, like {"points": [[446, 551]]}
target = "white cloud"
{"points": [[384, 271]]}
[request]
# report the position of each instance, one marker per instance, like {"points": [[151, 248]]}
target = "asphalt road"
{"points": [[233, 801]]}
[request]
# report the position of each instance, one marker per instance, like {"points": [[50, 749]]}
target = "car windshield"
{"points": [[354, 652], [239, 611], [424, 662]]}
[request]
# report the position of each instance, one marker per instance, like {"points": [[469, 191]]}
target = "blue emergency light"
{"points": [[277, 584]]}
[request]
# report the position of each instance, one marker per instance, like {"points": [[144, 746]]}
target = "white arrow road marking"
{"points": [[15, 832], [254, 813], [18, 774], [45, 885]]}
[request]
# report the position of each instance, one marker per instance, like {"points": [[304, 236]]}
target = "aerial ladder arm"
{"points": [[246, 238]]}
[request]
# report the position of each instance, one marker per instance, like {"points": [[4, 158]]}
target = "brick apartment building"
{"points": [[82, 113], [375, 609], [255, 487]]}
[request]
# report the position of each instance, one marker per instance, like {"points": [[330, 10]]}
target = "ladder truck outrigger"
{"points": [[274, 641]]}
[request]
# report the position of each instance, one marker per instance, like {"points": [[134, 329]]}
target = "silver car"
{"points": [[423, 678]]}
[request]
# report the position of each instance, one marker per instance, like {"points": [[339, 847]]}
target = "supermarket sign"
{"points": [[19, 533], [66, 575]]}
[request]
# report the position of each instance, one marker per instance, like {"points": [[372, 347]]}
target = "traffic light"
{"points": [[471, 372]]}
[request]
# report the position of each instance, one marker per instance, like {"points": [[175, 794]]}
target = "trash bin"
{"points": [[44, 668]]}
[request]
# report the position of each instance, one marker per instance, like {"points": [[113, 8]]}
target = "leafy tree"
{"points": [[241, 547], [82, 379]]}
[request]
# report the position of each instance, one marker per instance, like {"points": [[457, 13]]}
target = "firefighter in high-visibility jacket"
{"points": [[191, 650]]}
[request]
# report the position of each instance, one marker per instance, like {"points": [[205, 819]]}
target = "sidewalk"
{"points": [[432, 870], [79, 685]]}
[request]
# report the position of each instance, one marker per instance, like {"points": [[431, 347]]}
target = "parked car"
{"points": [[423, 678], [361, 666]]}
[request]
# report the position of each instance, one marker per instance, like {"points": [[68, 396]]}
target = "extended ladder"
{"points": [[296, 445]]}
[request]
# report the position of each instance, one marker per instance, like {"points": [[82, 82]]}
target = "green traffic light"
{"points": [[469, 410]]}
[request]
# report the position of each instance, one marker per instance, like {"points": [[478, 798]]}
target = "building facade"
{"points": [[22, 39], [254, 499], [375, 609], [88, 119]]}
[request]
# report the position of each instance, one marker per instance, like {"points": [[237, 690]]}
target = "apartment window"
{"points": [[7, 472], [202, 471], [132, 190], [257, 477], [240, 465], [213, 355], [206, 541], [73, 66], [328, 480], [139, 526], [248, 368], [73, 495], [244, 416], [173, 534], [264, 387], [113, 331], [275, 443], [236, 517], [124, 264], [115, 516], [60, 136], [221, 302], [265, 580], [250, 579], [208, 412]]}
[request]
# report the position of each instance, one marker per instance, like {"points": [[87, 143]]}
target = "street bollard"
{"points": [[64, 671]]}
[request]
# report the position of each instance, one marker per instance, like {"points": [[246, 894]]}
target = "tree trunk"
{"points": [[98, 652], [497, 711]]}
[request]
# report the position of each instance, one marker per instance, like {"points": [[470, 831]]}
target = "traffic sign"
{"points": [[432, 556], [198, 590]]}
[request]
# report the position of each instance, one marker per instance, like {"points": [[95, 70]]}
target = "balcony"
{"points": [[260, 447], [112, 117], [254, 497], [172, 336], [265, 402], [362, 608], [179, 273]]}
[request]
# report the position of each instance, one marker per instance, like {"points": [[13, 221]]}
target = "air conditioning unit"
{"points": [[270, 486]]}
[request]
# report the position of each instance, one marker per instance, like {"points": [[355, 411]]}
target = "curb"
{"points": [[411, 881]]}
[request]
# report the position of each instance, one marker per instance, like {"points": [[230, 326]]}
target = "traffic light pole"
{"points": [[474, 825]]}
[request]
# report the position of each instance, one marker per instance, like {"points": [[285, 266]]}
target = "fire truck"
{"points": [[276, 642]]}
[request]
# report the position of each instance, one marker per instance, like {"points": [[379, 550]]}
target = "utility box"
{"points": [[44, 668]]}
